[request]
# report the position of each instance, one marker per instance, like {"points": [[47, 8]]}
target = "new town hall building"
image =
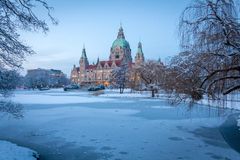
{"points": [[99, 73]]}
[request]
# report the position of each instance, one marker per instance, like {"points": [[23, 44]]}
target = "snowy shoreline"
{"points": [[11, 151], [228, 104], [114, 93]]}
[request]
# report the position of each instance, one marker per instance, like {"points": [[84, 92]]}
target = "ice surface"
{"points": [[55, 97], [239, 122], [10, 151], [77, 125], [162, 107]]}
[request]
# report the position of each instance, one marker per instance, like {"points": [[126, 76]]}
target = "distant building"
{"points": [[99, 73], [36, 78]]}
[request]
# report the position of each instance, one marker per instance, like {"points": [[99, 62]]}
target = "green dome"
{"points": [[121, 43]]}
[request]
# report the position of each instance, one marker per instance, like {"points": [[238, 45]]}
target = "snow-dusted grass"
{"points": [[10, 151]]}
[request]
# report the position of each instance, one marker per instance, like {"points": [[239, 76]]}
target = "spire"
{"points": [[83, 60], [84, 55], [139, 58], [121, 33], [139, 44], [97, 60], [140, 48], [159, 59]]}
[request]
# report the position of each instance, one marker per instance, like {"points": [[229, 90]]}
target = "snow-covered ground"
{"points": [[80, 126], [10, 151]]}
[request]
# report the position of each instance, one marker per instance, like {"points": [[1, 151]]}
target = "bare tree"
{"points": [[18, 15], [15, 15], [151, 74], [8, 81], [134, 79], [37, 81], [120, 76], [182, 77], [11, 108], [210, 31]]}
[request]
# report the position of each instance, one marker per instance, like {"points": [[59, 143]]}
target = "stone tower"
{"points": [[83, 60], [139, 58], [120, 49]]}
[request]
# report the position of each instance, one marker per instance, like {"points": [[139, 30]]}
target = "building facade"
{"points": [[99, 73], [37, 78]]}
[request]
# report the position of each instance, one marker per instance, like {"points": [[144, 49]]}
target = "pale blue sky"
{"points": [[95, 23]]}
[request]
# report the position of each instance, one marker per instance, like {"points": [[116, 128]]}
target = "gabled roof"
{"points": [[76, 69], [90, 67], [117, 62], [103, 63]]}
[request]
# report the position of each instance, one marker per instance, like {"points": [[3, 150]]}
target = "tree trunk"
{"points": [[153, 93], [121, 90]]}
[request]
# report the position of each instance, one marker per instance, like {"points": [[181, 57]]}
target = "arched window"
{"points": [[117, 55]]}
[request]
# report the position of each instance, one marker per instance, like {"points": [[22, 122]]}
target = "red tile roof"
{"points": [[91, 67], [117, 62], [77, 69]]}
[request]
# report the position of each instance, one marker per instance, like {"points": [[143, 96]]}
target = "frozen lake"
{"points": [[78, 126]]}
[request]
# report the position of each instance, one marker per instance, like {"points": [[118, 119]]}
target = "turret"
{"points": [[83, 60], [139, 58], [97, 61]]}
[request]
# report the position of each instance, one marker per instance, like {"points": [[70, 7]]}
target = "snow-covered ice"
{"points": [[56, 96], [10, 151], [162, 107], [239, 122], [77, 125]]}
